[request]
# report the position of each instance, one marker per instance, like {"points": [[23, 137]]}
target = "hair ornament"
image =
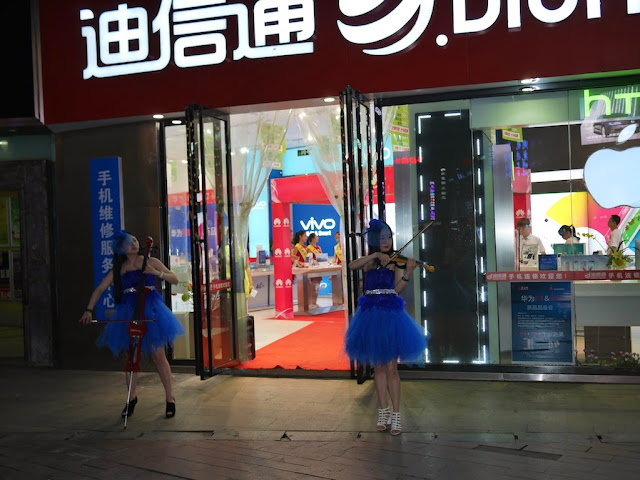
{"points": [[121, 242]]}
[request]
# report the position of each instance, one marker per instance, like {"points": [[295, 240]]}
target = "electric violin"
{"points": [[137, 327], [401, 262]]}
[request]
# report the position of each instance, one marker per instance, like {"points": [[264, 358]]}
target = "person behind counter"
{"points": [[299, 251], [337, 251], [381, 331], [527, 238], [568, 233], [314, 283], [615, 239]]}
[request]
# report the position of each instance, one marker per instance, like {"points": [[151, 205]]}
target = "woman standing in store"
{"points": [[314, 283], [163, 330], [568, 233], [381, 331], [337, 250], [299, 252]]}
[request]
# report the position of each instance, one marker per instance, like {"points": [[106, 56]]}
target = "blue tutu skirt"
{"points": [[161, 332], [381, 331]]}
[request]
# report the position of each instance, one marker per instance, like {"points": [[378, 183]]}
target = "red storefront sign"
{"points": [[106, 59]]}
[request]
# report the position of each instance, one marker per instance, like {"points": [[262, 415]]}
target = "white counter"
{"points": [[607, 303]]}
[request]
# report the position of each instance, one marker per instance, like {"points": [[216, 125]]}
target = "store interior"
{"points": [[309, 339]]}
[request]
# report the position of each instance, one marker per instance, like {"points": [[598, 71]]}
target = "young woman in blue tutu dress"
{"points": [[163, 330], [381, 331]]}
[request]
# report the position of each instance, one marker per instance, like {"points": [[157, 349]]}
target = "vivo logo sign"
{"points": [[389, 25], [195, 33], [314, 226]]}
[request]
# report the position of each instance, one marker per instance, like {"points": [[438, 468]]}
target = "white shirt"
{"points": [[614, 240], [572, 240], [532, 240]]}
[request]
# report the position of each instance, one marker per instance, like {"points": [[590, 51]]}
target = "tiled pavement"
{"points": [[65, 425]]}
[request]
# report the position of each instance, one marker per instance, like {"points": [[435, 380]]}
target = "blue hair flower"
{"points": [[372, 234], [121, 242]]}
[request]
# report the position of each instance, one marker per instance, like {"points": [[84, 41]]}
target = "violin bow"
{"points": [[397, 252]]}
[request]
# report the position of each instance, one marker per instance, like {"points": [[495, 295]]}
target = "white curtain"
{"points": [[320, 129], [257, 142]]}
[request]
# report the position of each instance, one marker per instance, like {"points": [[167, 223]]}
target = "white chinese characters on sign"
{"points": [[119, 43], [123, 37], [106, 228]]}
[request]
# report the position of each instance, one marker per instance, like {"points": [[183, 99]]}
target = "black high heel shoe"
{"points": [[170, 411], [132, 406]]}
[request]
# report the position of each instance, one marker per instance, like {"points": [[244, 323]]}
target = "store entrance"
{"points": [[210, 231]]}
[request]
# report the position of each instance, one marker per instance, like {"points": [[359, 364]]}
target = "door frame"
{"points": [[195, 114], [356, 156]]}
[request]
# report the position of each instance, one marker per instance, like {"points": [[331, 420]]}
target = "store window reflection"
{"points": [[566, 161]]}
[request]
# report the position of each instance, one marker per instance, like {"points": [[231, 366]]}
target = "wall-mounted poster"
{"points": [[542, 322], [4, 221]]}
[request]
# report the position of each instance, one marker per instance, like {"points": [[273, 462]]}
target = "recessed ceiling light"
{"points": [[176, 122], [329, 99], [528, 81], [157, 116], [528, 89]]}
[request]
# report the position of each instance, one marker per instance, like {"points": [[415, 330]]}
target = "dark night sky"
{"points": [[15, 55]]}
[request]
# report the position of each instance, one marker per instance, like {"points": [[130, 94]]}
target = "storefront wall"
{"points": [[468, 58], [143, 212]]}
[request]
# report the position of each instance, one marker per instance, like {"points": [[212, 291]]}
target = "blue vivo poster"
{"points": [[105, 177], [324, 221], [542, 326]]}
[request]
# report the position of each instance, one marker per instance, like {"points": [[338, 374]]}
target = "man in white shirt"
{"points": [[615, 240], [527, 238]]}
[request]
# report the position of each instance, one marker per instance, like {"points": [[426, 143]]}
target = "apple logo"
{"points": [[611, 175]]}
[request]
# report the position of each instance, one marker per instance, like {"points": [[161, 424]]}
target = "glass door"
{"points": [[357, 174], [211, 231]]}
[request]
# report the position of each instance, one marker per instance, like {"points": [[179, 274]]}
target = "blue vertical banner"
{"points": [[106, 219], [542, 322]]}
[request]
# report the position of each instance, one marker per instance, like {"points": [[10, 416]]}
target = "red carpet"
{"points": [[318, 346]]}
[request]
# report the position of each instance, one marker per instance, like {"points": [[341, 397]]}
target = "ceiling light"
{"points": [[528, 89], [158, 116], [528, 81], [176, 122], [329, 99]]}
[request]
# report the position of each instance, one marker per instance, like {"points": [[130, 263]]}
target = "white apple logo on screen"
{"points": [[611, 175]]}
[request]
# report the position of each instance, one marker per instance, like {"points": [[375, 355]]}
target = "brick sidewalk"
{"points": [[65, 425]]}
